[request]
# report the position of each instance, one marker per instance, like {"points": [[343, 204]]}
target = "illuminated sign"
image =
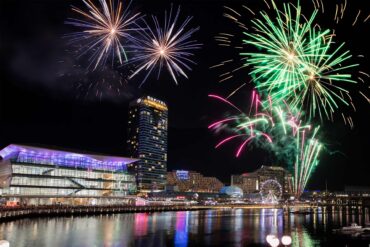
{"points": [[182, 175], [155, 104]]}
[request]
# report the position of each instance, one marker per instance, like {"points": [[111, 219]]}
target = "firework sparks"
{"points": [[276, 129], [368, 100], [358, 14], [294, 62], [105, 30], [301, 72], [169, 46], [306, 160], [292, 59], [246, 128]]}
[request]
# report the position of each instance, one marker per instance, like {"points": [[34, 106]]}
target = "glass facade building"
{"points": [[147, 140], [38, 172]]}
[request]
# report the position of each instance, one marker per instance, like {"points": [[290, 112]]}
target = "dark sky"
{"points": [[41, 102]]}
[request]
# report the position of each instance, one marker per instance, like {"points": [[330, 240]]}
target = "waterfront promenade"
{"points": [[10, 213]]}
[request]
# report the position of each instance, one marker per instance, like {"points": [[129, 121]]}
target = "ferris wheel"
{"points": [[271, 191]]}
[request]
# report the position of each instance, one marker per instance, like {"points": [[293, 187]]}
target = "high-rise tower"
{"points": [[147, 140]]}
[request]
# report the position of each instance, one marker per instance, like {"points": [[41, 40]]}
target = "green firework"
{"points": [[295, 61], [278, 130]]}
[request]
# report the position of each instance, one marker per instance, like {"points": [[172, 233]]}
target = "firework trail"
{"points": [[243, 127], [105, 30], [296, 61], [301, 72], [276, 129], [165, 45], [306, 160], [291, 58]]}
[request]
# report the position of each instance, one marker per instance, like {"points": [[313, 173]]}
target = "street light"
{"points": [[4, 243], [274, 241], [269, 238], [286, 240]]}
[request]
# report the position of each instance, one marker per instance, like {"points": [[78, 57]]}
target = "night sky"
{"points": [[41, 102]]}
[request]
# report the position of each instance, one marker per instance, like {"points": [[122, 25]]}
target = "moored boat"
{"points": [[353, 228]]}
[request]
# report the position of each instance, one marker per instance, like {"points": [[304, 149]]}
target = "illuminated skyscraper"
{"points": [[147, 140]]}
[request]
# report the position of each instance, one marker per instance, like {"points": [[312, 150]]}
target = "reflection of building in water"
{"points": [[181, 234], [141, 224], [33, 175], [251, 182], [270, 221], [191, 181]]}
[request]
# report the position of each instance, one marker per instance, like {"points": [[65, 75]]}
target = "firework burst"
{"points": [[169, 46], [243, 127], [278, 130], [295, 62], [291, 58], [105, 31]]}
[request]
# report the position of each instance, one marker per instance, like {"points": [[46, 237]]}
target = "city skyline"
{"points": [[42, 107], [184, 123]]}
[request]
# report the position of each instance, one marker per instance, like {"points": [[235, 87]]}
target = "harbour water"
{"points": [[226, 227]]}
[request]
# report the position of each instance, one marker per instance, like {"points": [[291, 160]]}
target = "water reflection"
{"points": [[141, 224], [228, 227], [181, 234]]}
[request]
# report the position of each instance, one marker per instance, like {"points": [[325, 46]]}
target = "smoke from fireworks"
{"points": [[105, 31], [169, 46], [244, 127], [277, 129]]}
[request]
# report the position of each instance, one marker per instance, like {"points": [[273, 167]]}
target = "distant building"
{"points": [[250, 182], [147, 140], [232, 191], [34, 175], [351, 196], [355, 188], [191, 181]]}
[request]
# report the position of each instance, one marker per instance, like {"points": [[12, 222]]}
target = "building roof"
{"points": [[231, 190], [12, 151], [262, 168], [150, 102]]}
